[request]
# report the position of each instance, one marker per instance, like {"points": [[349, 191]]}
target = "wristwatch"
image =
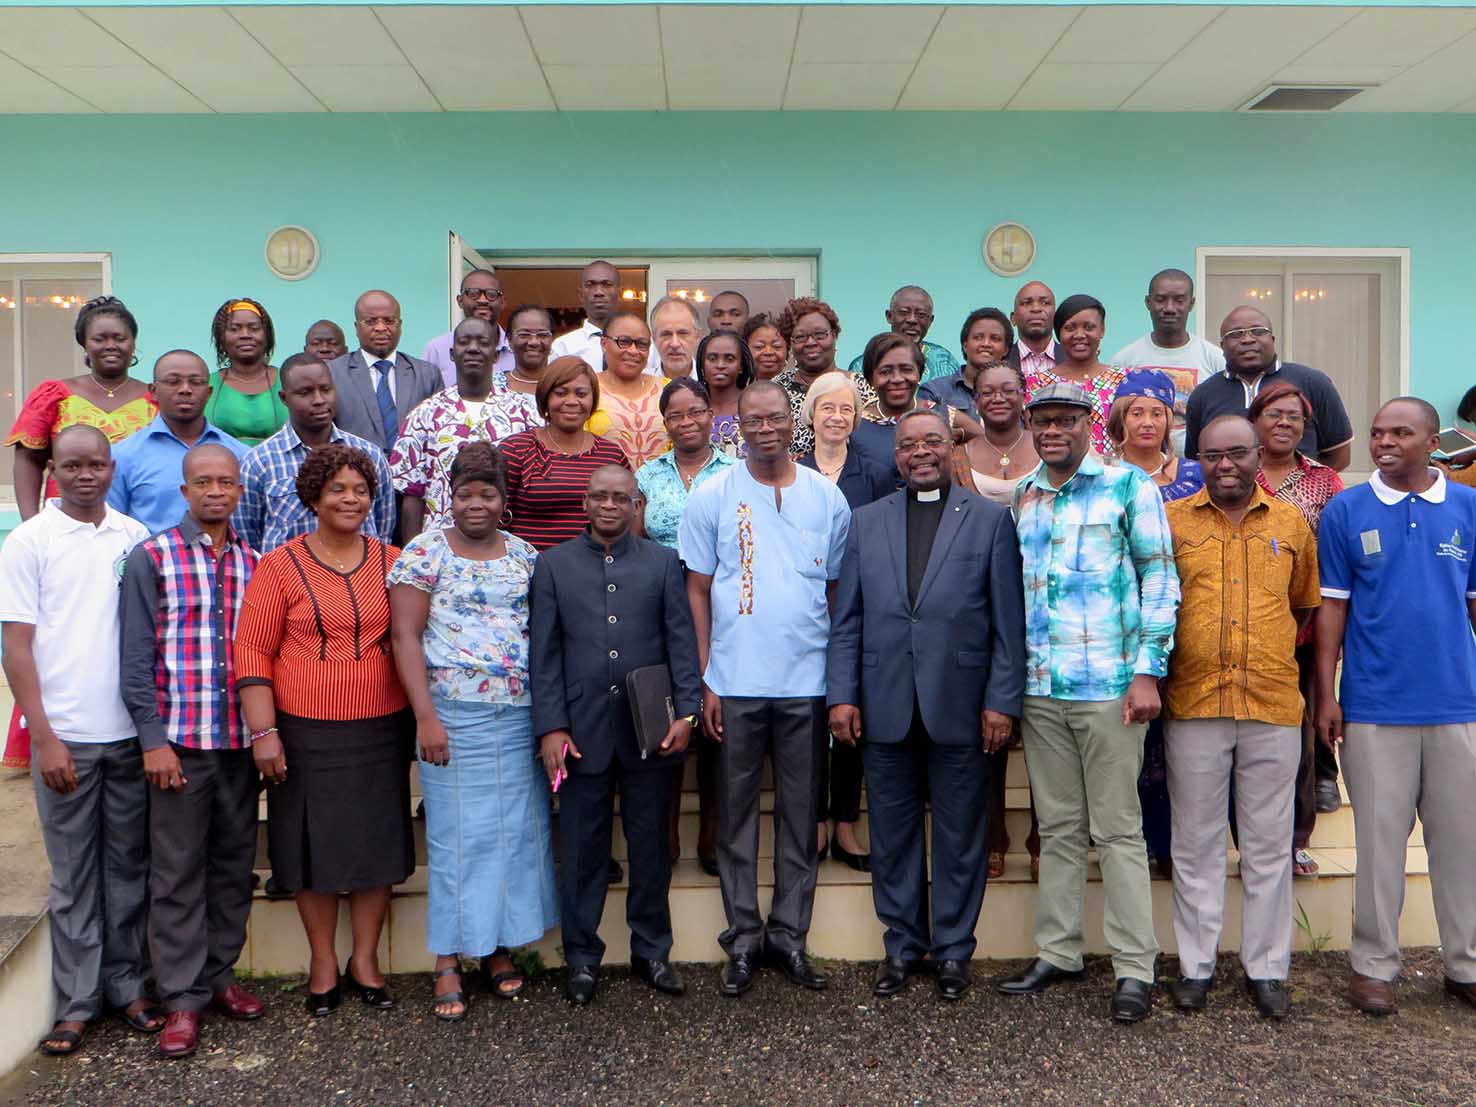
{"points": [[690, 720]]}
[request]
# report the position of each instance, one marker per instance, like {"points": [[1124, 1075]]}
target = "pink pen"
{"points": [[560, 775]]}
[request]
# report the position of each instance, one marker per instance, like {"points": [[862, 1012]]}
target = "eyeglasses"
{"points": [[911, 446], [528, 336], [912, 313], [1000, 393], [625, 342], [1065, 422], [1243, 332], [801, 337], [380, 321], [487, 294], [1284, 415], [1214, 457], [676, 418], [756, 422]]}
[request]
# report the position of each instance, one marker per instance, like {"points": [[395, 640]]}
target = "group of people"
{"points": [[305, 576]]}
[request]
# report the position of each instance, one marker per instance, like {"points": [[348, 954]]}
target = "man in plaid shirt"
{"points": [[182, 593]]}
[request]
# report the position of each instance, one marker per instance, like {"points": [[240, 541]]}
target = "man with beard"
{"points": [[480, 298]]}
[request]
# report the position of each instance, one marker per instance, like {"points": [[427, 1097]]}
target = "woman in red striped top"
{"points": [[330, 727], [548, 467]]}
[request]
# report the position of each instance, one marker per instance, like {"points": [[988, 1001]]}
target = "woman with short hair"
{"points": [[628, 411], [767, 345], [1080, 324]]}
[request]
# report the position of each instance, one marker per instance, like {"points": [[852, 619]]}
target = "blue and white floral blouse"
{"points": [[665, 494]]}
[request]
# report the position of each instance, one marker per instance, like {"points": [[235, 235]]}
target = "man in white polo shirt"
{"points": [[59, 588], [1399, 602]]}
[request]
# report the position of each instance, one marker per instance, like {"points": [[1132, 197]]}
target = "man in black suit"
{"points": [[379, 384], [927, 670], [603, 604]]}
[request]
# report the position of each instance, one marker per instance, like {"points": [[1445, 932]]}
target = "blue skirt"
{"points": [[489, 852]]}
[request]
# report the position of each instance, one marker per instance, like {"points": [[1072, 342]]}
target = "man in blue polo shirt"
{"points": [[150, 464], [1251, 363], [1397, 570]]}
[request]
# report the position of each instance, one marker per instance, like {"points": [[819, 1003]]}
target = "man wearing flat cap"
{"points": [[1101, 594]]}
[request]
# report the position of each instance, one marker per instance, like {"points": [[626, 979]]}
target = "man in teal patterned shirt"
{"points": [[1101, 595], [911, 314]]}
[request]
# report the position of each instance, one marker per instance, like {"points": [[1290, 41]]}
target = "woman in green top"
{"points": [[244, 400]]}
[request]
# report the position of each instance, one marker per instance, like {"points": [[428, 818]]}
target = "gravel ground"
{"points": [[782, 1045]]}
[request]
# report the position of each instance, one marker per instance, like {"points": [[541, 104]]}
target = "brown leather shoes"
{"points": [[181, 1034], [1371, 996], [1466, 992], [237, 1003]]}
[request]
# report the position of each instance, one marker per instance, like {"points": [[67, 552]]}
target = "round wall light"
{"points": [[292, 252], [1008, 249]]}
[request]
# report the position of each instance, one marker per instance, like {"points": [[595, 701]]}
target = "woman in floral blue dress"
{"points": [[459, 598]]}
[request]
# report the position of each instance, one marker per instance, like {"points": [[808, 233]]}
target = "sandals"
{"points": [[142, 1019], [1303, 864], [495, 981], [71, 1039], [996, 865], [458, 996]]}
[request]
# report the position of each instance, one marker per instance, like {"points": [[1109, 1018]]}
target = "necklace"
{"points": [[1004, 454], [515, 375], [331, 556], [110, 391], [686, 480], [547, 436]]}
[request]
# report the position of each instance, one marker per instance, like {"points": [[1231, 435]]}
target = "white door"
{"points": [[462, 260], [767, 283]]}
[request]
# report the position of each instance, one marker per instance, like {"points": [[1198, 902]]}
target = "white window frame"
{"points": [[102, 259]]}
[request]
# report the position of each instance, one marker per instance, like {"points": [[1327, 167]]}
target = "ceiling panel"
{"points": [[611, 37], [978, 57], [1444, 82], [1351, 74], [1389, 36], [367, 87], [726, 84], [460, 87], [125, 89], [22, 90], [500, 73], [865, 34], [1078, 86], [693, 35], [607, 87], [1134, 34], [209, 53], [49, 36], [873, 86], [322, 36], [1233, 58]]}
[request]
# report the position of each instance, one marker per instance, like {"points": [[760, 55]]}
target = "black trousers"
{"points": [[585, 822], [839, 794], [902, 779], [203, 844]]}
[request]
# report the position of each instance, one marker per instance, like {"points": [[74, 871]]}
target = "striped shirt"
{"points": [[545, 488], [270, 512], [180, 604], [318, 637]]}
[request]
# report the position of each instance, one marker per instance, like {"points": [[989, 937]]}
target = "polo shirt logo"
{"points": [[1453, 548]]}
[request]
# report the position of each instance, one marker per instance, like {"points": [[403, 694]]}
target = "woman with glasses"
{"points": [[666, 483], [1281, 414], [1080, 324], [768, 346], [993, 462], [724, 367], [811, 328], [530, 334], [630, 398]]}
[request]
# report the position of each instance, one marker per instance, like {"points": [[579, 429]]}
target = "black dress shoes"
{"points": [[1037, 977], [891, 977], [659, 974], [738, 975], [579, 989], [1190, 993], [320, 1004], [798, 970], [1329, 799], [376, 996], [708, 865], [614, 874], [1270, 998], [861, 862], [1132, 1000], [953, 979]]}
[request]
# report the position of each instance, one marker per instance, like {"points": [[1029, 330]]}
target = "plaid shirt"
{"points": [[179, 608], [270, 513], [1101, 589]]}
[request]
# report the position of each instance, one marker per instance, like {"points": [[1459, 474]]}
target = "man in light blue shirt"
{"points": [[150, 464], [762, 545]]}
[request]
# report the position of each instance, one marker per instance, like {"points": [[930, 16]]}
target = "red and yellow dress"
{"points": [[51, 407]]}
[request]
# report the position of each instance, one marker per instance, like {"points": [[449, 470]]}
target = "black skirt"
{"points": [[340, 822]]}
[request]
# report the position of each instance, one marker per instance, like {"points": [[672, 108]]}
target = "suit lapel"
{"points": [[896, 506], [954, 514], [404, 385], [360, 376]]}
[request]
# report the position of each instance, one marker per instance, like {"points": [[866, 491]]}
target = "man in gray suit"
{"points": [[379, 384], [927, 669]]}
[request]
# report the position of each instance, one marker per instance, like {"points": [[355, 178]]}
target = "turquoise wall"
{"points": [[184, 203]]}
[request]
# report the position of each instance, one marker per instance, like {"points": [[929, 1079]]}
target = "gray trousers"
{"points": [[791, 732], [1084, 765], [1203, 755], [97, 840], [202, 845], [1392, 772]]}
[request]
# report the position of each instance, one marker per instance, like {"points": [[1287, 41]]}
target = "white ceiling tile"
{"points": [[47, 36], [428, 35], [1130, 34], [367, 87], [605, 36], [1078, 86], [978, 57], [607, 87], [25, 92], [854, 34], [125, 89], [748, 35], [727, 85], [1445, 81], [873, 86], [460, 87], [1350, 74], [1233, 58], [322, 35], [939, 88], [1391, 36]]}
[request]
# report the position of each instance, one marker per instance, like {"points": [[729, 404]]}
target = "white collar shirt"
{"points": [[370, 359]]}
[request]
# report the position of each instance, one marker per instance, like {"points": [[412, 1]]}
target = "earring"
{"points": [[134, 362]]}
